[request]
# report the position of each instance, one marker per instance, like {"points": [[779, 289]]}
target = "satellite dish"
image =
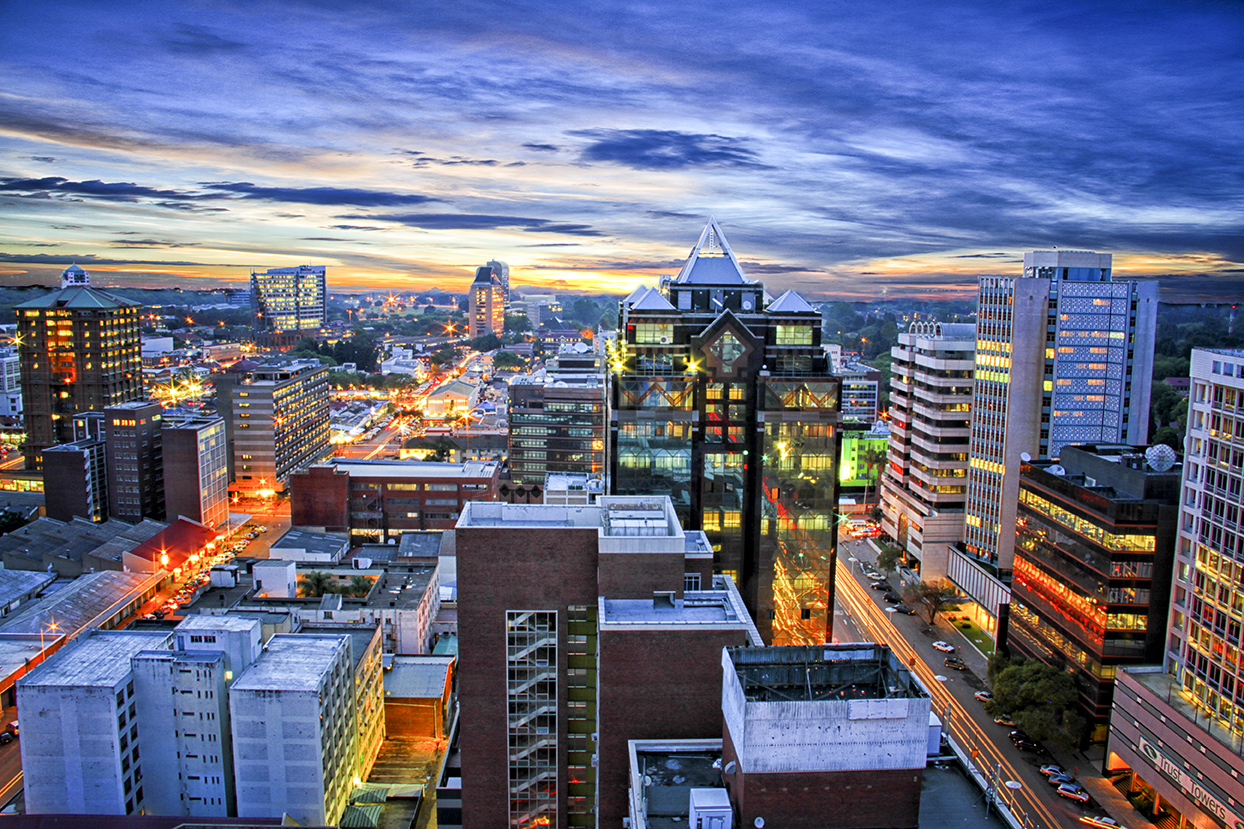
{"points": [[1056, 469], [747, 305], [1025, 457], [730, 767], [1160, 457]]}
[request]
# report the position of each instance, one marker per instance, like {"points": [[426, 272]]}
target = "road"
{"points": [[1035, 803]]}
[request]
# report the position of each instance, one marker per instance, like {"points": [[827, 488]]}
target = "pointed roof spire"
{"points": [[74, 277], [652, 301], [790, 302], [711, 261]]}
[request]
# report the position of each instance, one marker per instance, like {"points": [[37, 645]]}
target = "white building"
{"points": [[294, 730], [80, 727], [924, 486], [10, 383], [1064, 355]]}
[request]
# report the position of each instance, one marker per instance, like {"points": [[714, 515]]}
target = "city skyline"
{"points": [[854, 152]]}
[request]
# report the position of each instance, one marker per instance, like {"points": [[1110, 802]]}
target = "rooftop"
{"points": [[81, 297], [417, 677], [720, 607], [319, 543], [291, 663], [100, 658], [16, 584], [78, 604], [417, 469], [201, 621], [823, 672], [360, 636]]}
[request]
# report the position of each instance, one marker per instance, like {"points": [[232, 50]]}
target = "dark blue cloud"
{"points": [[664, 149], [335, 196], [478, 221], [113, 191]]}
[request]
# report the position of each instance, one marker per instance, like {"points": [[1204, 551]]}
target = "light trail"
{"points": [[955, 718]]}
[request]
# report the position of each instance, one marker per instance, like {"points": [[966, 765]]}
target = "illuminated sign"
{"points": [[1190, 786]]}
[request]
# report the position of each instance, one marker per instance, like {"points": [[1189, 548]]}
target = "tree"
{"points": [[517, 322], [929, 598], [871, 458], [1041, 699], [360, 586], [315, 584], [887, 559], [506, 360], [485, 342]]}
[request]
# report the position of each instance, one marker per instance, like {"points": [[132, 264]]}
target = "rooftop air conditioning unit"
{"points": [[665, 341]]}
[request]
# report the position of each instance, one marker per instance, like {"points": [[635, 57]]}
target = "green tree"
{"points": [[517, 323], [1041, 699], [872, 458], [887, 559], [360, 586], [486, 342], [315, 584], [506, 360], [929, 598]]}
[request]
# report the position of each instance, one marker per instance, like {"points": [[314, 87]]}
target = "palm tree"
{"points": [[315, 584], [360, 586], [871, 458]]}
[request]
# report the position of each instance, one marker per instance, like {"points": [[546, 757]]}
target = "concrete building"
{"points": [[10, 383], [133, 443], [1093, 565], [293, 716], [924, 487], [196, 469], [456, 398], [502, 271], [557, 418], [375, 501], [486, 304], [80, 730], [830, 737], [276, 421], [1064, 355], [290, 299], [78, 475], [309, 547], [592, 630], [861, 392], [79, 352], [417, 693], [721, 398]]}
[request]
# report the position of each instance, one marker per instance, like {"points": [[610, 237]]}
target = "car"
{"points": [[983, 696], [1018, 735], [1051, 769], [1073, 792], [1100, 822], [1060, 779], [1003, 719], [882, 585], [944, 647], [1028, 745], [902, 608], [955, 662], [892, 597], [6, 738]]}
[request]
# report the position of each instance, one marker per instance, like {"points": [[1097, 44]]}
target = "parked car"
{"points": [[6, 738], [944, 647], [902, 608], [1028, 745], [955, 662], [882, 585], [1051, 769], [892, 597], [1100, 822], [1018, 735], [1073, 792], [1003, 719], [1060, 779], [983, 696]]}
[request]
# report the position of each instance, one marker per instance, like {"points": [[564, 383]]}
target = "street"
{"points": [[1034, 803]]}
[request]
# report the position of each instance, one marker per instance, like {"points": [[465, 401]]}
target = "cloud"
{"points": [[665, 149], [151, 243], [65, 260], [43, 159], [542, 148], [477, 221], [984, 256], [197, 40], [112, 191], [334, 196], [357, 227]]}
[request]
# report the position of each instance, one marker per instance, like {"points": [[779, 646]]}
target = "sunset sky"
{"points": [[849, 150]]}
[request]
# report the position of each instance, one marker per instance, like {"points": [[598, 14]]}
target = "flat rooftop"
{"points": [[360, 636], [96, 659], [291, 663], [823, 672], [318, 543], [417, 677], [719, 607], [78, 603], [417, 469], [200, 621]]}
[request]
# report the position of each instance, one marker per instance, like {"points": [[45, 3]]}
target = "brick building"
{"points": [[376, 501]]}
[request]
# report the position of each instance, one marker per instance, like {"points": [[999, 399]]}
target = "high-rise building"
{"points": [[502, 271], [557, 417], [77, 473], [861, 393], [486, 304], [10, 382], [1177, 728], [720, 397], [924, 485], [1208, 598], [1093, 565], [276, 421], [601, 624], [1064, 355], [79, 351], [290, 299], [196, 468], [132, 442]]}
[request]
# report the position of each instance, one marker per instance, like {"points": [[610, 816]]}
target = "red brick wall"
{"points": [[638, 575], [871, 799], [661, 683], [319, 498], [499, 570]]}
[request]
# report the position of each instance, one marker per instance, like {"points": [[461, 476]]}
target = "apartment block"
{"points": [[290, 299], [924, 484], [196, 468], [557, 418], [486, 304], [133, 443]]}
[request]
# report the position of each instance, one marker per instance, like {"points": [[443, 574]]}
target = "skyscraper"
{"points": [[557, 417], [486, 304], [721, 398], [132, 442], [79, 351], [290, 299], [924, 484], [502, 271], [1064, 355], [196, 469], [276, 421]]}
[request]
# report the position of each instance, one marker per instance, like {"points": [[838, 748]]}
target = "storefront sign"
{"points": [[1193, 789]]}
